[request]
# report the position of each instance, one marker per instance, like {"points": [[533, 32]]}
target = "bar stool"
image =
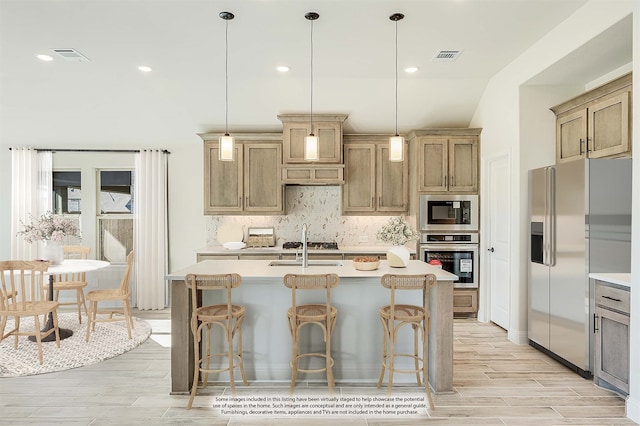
{"points": [[419, 317], [324, 315], [228, 316]]}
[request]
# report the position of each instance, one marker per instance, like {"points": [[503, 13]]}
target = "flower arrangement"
{"points": [[397, 232], [49, 227]]}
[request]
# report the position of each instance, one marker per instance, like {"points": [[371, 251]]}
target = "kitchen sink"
{"points": [[311, 263]]}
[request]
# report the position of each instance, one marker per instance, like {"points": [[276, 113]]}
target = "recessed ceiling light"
{"points": [[145, 68], [283, 68], [45, 58], [411, 70]]}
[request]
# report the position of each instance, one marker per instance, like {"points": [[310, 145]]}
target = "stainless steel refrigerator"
{"points": [[580, 222]]}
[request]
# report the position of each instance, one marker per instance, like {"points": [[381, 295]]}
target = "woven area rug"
{"points": [[108, 340]]}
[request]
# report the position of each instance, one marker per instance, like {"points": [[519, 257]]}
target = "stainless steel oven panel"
{"points": [[453, 248], [424, 213]]}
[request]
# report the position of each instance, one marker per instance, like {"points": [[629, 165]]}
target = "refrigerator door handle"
{"points": [[552, 217], [548, 230]]}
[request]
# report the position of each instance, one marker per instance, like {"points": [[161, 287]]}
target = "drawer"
{"points": [[612, 298]]}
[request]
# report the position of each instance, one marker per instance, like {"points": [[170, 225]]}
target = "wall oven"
{"points": [[449, 213], [458, 254]]}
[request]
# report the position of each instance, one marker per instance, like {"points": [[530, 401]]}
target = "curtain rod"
{"points": [[94, 150]]}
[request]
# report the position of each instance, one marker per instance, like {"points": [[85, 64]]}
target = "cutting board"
{"points": [[229, 232]]}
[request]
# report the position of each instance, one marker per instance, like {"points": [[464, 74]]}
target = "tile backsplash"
{"points": [[319, 208]]}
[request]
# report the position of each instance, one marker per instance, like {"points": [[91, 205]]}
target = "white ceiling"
{"points": [[107, 100]]}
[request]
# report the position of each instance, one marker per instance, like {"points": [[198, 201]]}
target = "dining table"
{"points": [[68, 266]]}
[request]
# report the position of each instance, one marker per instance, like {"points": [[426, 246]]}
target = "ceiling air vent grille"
{"points": [[70, 55], [446, 55]]}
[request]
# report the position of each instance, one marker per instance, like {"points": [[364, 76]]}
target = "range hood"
{"points": [[312, 174]]}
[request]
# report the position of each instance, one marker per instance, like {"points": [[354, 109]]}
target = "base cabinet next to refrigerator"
{"points": [[612, 336]]}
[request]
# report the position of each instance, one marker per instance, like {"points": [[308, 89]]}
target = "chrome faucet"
{"points": [[305, 252]]}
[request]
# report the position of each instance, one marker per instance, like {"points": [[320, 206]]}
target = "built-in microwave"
{"points": [[449, 213]]}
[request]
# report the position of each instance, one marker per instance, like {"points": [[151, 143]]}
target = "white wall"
{"points": [[513, 119]]}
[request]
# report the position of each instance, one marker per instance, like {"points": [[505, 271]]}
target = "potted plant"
{"points": [[398, 232], [52, 229]]}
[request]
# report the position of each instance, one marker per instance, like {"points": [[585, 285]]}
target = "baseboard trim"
{"points": [[518, 337]]}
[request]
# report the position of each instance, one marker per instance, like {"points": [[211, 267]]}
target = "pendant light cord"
{"points": [[311, 106], [226, 78], [396, 78]]}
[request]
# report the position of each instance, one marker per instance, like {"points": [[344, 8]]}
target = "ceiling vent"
{"points": [[446, 55], [71, 55]]}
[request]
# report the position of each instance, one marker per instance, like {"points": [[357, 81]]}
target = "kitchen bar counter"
{"points": [[357, 339]]}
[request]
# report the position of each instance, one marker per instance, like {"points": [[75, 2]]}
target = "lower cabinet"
{"points": [[465, 301], [612, 337]]}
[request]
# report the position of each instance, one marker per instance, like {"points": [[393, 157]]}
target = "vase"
{"points": [[53, 252], [398, 256]]}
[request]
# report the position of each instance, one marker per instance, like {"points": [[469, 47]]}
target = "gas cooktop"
{"points": [[311, 245]]}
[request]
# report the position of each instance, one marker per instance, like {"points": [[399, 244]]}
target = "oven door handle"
{"points": [[449, 247]]}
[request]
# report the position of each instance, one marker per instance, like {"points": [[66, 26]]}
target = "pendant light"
{"points": [[396, 143], [226, 148], [311, 142]]}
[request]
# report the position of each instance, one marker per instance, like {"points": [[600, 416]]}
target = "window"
{"points": [[67, 196], [115, 214]]}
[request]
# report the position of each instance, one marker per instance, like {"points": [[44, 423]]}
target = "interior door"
{"points": [[498, 248]]}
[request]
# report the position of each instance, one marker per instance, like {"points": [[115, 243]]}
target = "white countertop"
{"points": [[278, 249], [261, 269], [623, 279]]}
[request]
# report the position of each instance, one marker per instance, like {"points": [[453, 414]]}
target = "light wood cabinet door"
{"points": [[391, 181], [263, 192], [571, 136], [448, 164], [248, 185], [612, 348], [463, 165], [223, 181], [465, 301], [433, 164], [358, 193], [608, 127], [329, 142]]}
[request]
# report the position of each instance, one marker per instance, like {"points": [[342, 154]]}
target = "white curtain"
{"points": [[150, 242], [31, 187]]}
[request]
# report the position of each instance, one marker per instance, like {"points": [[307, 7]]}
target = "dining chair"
{"points": [[22, 295], [75, 281], [120, 294]]}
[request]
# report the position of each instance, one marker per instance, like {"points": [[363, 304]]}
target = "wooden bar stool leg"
{"points": [[196, 367], [229, 334], [416, 361], [392, 343], [330, 379], [239, 328], [294, 357], [385, 337]]}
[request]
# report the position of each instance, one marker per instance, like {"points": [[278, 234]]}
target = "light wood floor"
{"points": [[496, 383]]}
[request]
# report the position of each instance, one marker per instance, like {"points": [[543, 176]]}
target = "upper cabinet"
{"points": [[328, 128], [447, 160], [595, 124], [250, 184], [373, 184]]}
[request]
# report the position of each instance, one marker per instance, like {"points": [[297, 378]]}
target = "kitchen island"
{"points": [[357, 338]]}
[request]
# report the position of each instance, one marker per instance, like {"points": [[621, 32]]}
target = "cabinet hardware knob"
{"points": [[453, 182], [445, 180], [588, 138], [491, 250], [611, 298], [581, 143], [595, 323], [239, 201]]}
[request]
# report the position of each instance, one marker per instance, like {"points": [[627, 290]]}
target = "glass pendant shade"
{"points": [[226, 149], [396, 148], [311, 148]]}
